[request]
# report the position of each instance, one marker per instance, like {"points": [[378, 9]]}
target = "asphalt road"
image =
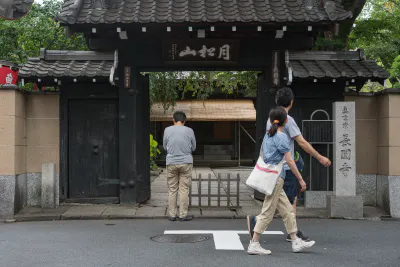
{"points": [[127, 243]]}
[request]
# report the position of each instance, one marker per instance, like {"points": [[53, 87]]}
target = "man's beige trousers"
{"points": [[179, 178]]}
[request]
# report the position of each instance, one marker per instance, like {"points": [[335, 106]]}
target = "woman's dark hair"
{"points": [[277, 117]]}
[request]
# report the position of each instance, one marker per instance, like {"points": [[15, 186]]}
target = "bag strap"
{"points": [[262, 156], [261, 150]]}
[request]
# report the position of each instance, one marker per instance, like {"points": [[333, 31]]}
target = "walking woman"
{"points": [[276, 146]]}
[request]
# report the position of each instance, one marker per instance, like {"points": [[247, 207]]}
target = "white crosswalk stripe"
{"points": [[223, 240]]}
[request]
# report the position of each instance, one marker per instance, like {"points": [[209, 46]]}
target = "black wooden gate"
{"points": [[89, 165]]}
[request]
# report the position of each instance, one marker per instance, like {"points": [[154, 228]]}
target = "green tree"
{"points": [[395, 72], [377, 31], [23, 38]]}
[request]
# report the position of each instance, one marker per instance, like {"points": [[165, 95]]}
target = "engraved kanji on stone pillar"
{"points": [[344, 149]]}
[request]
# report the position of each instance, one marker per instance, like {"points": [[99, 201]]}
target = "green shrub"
{"points": [[154, 152]]}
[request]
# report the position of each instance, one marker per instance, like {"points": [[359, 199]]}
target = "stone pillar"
{"points": [[49, 188], [344, 203], [13, 184]]}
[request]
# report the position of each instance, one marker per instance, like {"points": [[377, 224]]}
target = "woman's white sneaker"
{"points": [[299, 245], [256, 249]]}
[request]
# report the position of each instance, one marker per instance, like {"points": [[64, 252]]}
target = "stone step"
{"points": [[217, 152], [217, 157], [217, 147]]}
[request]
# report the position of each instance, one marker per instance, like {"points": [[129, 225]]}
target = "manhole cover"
{"points": [[179, 238]]}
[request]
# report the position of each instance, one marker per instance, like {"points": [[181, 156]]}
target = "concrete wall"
{"points": [[388, 180], [366, 147], [13, 183], [378, 149], [29, 137], [43, 140]]}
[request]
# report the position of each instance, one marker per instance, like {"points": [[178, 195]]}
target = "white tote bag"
{"points": [[264, 176]]}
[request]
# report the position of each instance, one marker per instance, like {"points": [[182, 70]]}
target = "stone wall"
{"points": [[29, 137]]}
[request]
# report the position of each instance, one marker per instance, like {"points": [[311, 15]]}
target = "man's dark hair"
{"points": [[284, 97], [179, 116]]}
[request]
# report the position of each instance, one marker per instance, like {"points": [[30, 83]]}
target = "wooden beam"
{"points": [[325, 55], [75, 55]]}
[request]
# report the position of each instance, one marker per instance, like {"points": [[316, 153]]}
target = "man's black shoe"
{"points": [[172, 219], [288, 238], [303, 237], [186, 219], [299, 235], [251, 223]]}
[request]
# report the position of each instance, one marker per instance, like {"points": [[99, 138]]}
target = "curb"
{"points": [[389, 219], [38, 218], [154, 217]]}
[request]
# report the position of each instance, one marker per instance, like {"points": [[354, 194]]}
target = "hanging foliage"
{"points": [[372, 87], [328, 44], [167, 87]]}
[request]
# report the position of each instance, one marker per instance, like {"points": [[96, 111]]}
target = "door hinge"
{"points": [[104, 181]]}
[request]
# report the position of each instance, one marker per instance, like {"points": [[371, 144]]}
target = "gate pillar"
{"points": [[265, 101], [134, 108]]}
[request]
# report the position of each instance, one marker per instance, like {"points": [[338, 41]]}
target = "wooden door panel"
{"points": [[93, 157]]}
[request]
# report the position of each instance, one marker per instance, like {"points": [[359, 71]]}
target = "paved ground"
{"points": [[127, 243], [156, 207]]}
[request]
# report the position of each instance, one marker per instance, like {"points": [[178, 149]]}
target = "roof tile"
{"points": [[67, 68], [337, 69], [94, 67], [173, 11]]}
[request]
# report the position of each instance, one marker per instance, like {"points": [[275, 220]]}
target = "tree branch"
{"points": [[383, 9]]}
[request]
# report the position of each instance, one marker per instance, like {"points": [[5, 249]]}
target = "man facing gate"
{"points": [[179, 142]]}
